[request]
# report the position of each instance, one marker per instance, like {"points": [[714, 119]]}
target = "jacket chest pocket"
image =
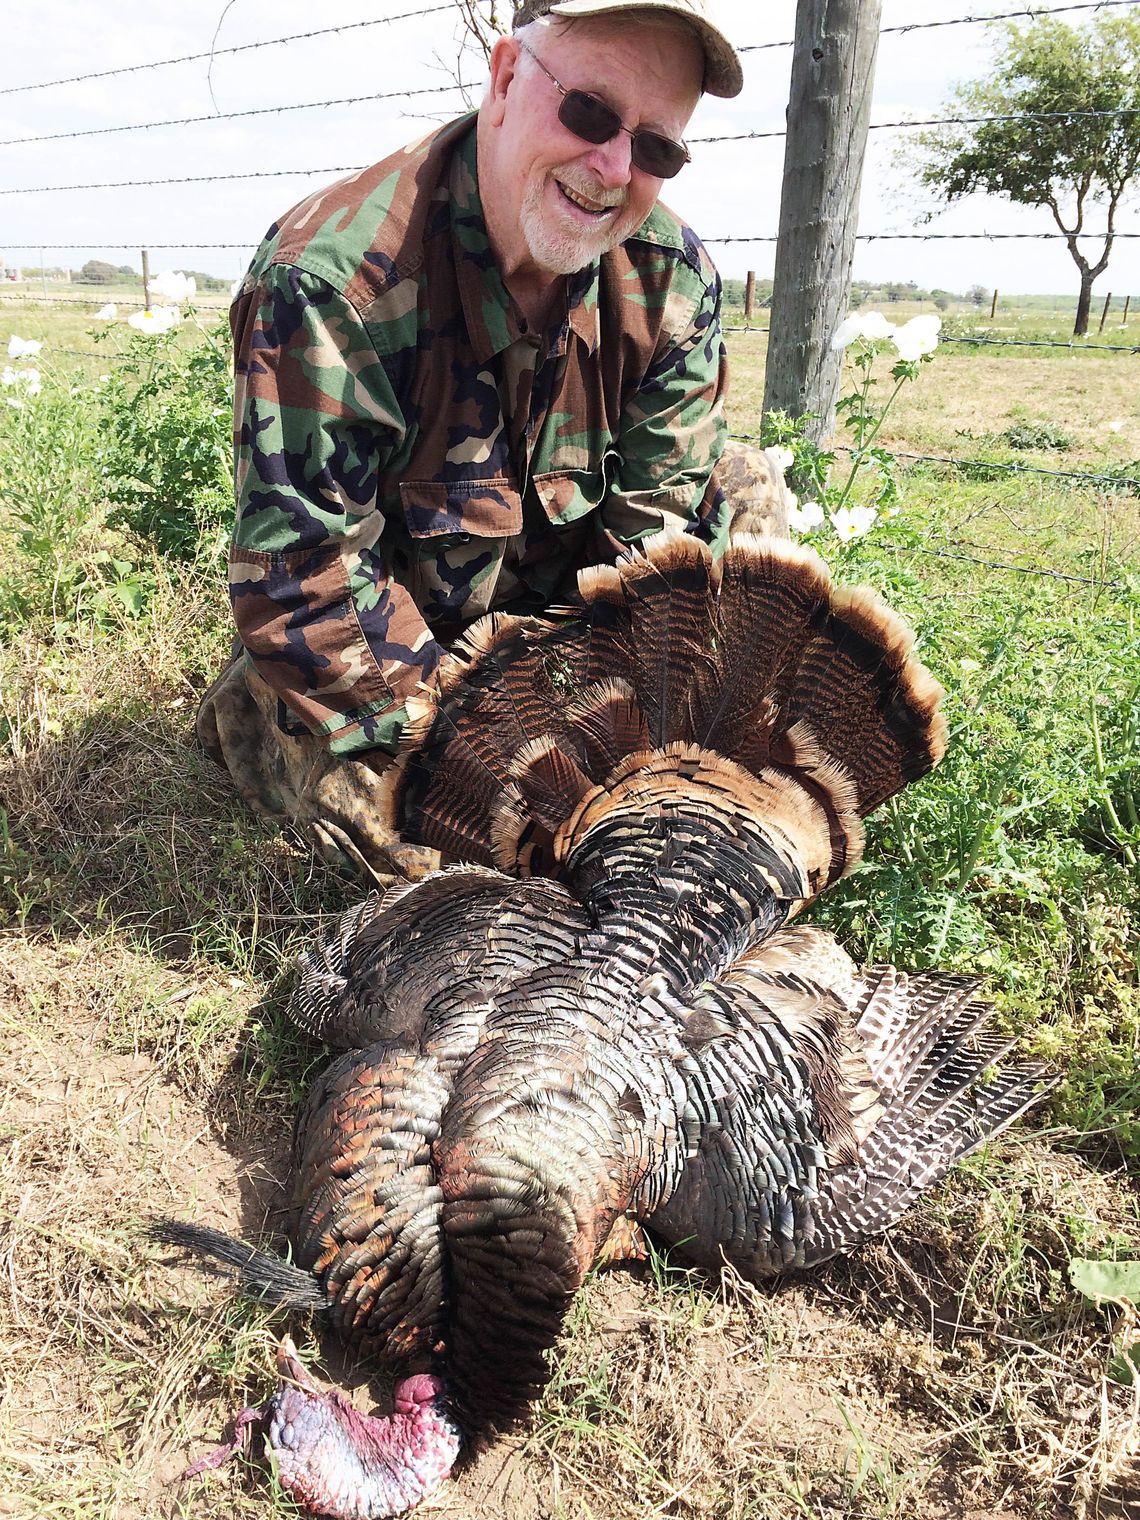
{"points": [[458, 534]]}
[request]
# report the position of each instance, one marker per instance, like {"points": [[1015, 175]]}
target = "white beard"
{"points": [[561, 247]]}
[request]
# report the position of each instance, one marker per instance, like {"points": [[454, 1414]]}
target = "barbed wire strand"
{"points": [[933, 121], [922, 26], [351, 26], [134, 243], [888, 237], [351, 100], [1071, 347], [245, 47], [1011, 468], [981, 464], [1091, 347], [990, 564], [190, 121]]}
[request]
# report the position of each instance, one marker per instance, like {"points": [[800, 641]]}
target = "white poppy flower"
{"points": [[107, 313], [23, 348], [806, 518], [160, 320], [848, 330], [918, 336], [862, 324], [852, 522], [171, 285], [1116, 424], [26, 380], [875, 325], [781, 456]]}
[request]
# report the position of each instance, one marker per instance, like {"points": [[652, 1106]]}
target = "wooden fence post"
{"points": [[146, 279], [1104, 313], [833, 73], [749, 295], [1124, 313], [993, 305]]}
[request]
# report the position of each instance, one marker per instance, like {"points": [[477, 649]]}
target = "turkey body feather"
{"points": [[606, 1014]]}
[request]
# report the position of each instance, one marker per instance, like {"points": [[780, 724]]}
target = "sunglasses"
{"points": [[595, 122]]}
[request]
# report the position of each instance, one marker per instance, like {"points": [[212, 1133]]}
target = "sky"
{"points": [[730, 190]]}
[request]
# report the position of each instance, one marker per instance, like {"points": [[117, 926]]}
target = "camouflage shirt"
{"points": [[409, 454]]}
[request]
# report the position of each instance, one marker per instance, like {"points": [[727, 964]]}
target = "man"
{"points": [[462, 375]]}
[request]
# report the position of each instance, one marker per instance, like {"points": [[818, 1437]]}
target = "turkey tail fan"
{"points": [[609, 725], [498, 690], [806, 673], [668, 591], [260, 1274], [758, 660], [772, 597], [871, 706], [944, 1095]]}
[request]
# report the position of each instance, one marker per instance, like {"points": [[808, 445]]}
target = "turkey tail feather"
{"points": [[944, 1095]]}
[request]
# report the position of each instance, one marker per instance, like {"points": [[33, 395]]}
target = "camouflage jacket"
{"points": [[409, 455]]}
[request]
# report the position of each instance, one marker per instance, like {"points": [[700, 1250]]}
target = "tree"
{"points": [[97, 272], [1052, 154]]}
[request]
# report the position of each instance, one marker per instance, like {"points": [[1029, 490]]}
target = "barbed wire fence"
{"points": [[457, 88]]}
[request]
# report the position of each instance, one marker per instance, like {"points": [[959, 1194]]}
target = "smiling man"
{"points": [[462, 375]]}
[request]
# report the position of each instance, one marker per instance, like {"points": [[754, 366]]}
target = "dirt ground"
{"points": [[673, 1394]]}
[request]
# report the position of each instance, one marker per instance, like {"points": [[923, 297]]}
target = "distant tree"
{"points": [[1051, 153], [977, 294], [126, 272], [941, 299], [97, 272]]}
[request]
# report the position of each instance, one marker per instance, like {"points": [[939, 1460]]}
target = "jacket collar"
{"points": [[490, 314]]}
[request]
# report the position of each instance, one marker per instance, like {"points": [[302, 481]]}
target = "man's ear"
{"points": [[504, 68]]}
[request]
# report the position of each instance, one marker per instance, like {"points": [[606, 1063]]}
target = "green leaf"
{"points": [[1123, 1369], [1118, 1281]]}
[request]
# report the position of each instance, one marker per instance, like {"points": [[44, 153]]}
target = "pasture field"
{"points": [[150, 923]]}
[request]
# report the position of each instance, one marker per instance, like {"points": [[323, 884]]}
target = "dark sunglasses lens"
{"points": [[588, 117], [595, 122], [656, 155]]}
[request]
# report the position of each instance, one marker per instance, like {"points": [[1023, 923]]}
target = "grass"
{"points": [[151, 923]]}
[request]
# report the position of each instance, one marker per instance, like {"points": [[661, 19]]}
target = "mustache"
{"points": [[582, 184]]}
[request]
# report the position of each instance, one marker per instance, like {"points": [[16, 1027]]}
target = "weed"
{"points": [[1045, 436]]}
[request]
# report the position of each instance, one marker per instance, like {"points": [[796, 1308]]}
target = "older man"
{"points": [[463, 374]]}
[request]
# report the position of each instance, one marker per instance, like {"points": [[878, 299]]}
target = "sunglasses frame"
{"points": [[635, 134]]}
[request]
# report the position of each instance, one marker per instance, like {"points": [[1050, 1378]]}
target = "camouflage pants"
{"points": [[339, 803]]}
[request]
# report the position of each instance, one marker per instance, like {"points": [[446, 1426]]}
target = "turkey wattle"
{"points": [[603, 1015]]}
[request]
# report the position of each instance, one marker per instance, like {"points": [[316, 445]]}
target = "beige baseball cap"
{"points": [[723, 74]]}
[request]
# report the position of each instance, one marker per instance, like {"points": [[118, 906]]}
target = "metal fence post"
{"points": [[833, 74]]}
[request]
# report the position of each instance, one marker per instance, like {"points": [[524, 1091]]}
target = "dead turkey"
{"points": [[603, 1014]]}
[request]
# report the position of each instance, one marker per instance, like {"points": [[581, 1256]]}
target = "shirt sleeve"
{"points": [[673, 432], [316, 606]]}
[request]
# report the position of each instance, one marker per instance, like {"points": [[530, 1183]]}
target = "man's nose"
{"points": [[611, 161]]}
